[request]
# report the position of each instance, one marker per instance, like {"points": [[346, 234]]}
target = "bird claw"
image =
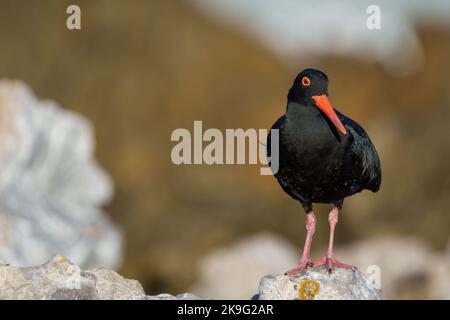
{"points": [[302, 266], [330, 262]]}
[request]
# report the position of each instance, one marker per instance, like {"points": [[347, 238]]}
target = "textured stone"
{"points": [[181, 296], [59, 279], [318, 284], [51, 188], [406, 267]]}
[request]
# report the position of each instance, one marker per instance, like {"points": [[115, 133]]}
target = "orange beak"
{"points": [[323, 104]]}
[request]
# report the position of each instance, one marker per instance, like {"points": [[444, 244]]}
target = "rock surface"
{"points": [[318, 284], [51, 188], [409, 269], [59, 279], [405, 267]]}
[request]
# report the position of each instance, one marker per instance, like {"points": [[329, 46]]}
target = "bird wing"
{"points": [[277, 125], [365, 157]]}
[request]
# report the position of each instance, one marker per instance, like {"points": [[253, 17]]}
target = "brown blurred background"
{"points": [[140, 69]]}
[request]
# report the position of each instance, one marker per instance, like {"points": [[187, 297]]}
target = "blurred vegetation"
{"points": [[140, 69]]}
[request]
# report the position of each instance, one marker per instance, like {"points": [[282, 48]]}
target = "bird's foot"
{"points": [[330, 262], [302, 266]]}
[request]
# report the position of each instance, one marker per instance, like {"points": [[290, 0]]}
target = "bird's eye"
{"points": [[306, 82]]}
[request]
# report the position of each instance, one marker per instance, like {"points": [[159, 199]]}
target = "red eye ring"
{"points": [[306, 82]]}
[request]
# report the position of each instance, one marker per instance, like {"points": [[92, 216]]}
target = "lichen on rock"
{"points": [[318, 284]]}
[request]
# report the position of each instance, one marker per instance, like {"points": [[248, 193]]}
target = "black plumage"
{"points": [[318, 164], [324, 156]]}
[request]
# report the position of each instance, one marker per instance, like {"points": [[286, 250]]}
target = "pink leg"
{"points": [[329, 261], [305, 261]]}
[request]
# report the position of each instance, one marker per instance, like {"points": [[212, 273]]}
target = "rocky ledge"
{"points": [[59, 279], [319, 284]]}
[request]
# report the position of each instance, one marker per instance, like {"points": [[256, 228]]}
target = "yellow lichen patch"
{"points": [[61, 260], [308, 289]]}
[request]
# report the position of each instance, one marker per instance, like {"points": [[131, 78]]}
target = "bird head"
{"points": [[310, 89]]}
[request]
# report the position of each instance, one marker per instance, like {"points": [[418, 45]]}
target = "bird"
{"points": [[323, 156]]}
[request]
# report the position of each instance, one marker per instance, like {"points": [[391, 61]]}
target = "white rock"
{"points": [[318, 284], [403, 267], [59, 279], [51, 188], [181, 296]]}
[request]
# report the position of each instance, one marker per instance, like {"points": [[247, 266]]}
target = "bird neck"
{"points": [[299, 111], [304, 120]]}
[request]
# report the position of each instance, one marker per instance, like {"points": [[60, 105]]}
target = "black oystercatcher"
{"points": [[324, 157]]}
